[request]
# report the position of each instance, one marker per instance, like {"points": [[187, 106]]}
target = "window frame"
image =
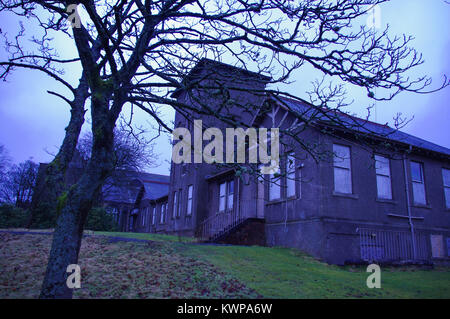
{"points": [[446, 187], [174, 204], [348, 169], [389, 176], [416, 182], [190, 200], [154, 215], [227, 195], [291, 175], [275, 185]]}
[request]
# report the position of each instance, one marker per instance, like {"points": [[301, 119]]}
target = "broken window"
{"points": [[342, 169], [383, 172]]}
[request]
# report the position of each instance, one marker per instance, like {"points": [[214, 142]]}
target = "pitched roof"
{"points": [[125, 186], [209, 64], [363, 126]]}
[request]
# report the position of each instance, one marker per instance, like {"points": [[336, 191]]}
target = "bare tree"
{"points": [[139, 52], [132, 150], [4, 164], [18, 183]]}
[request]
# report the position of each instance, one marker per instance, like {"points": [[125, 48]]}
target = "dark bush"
{"points": [[100, 220], [13, 217], [44, 217]]}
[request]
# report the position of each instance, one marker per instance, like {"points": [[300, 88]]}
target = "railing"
{"points": [[390, 245], [215, 226]]}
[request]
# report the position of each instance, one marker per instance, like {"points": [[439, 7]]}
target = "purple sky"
{"points": [[32, 122]]}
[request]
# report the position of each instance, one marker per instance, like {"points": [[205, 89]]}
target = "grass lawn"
{"points": [[167, 267]]}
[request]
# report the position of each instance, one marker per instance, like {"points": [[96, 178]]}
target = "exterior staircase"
{"points": [[232, 228]]}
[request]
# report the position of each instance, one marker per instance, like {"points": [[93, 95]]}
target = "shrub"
{"points": [[99, 220], [44, 216], [13, 217]]}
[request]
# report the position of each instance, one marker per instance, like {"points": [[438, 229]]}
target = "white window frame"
{"points": [[418, 184], [190, 191], [226, 196], [342, 164], [222, 197], [163, 213], [383, 176], [154, 215]]}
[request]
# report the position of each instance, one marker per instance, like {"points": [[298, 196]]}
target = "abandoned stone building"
{"points": [[367, 192], [381, 195]]}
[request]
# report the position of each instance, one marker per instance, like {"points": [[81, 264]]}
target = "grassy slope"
{"points": [[168, 267], [287, 273]]}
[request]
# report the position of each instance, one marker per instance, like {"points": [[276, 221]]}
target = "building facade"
{"points": [[375, 194]]}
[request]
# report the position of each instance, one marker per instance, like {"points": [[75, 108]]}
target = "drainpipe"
{"points": [[408, 205]]}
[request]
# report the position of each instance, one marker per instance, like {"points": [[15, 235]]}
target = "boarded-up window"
{"points": [[437, 246], [290, 175], [342, 169], [383, 172], [418, 183], [446, 178], [189, 200], [274, 186]]}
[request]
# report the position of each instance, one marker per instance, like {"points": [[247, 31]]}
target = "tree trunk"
{"points": [[53, 183], [75, 204]]}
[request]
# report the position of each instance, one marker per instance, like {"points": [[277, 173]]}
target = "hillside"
{"points": [[158, 266]]}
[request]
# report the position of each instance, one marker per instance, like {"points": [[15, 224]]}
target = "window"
{"points": [[189, 200], [274, 186], [383, 172], [175, 204], [342, 169], [226, 196], [154, 216], [230, 195], [143, 217], [222, 194], [163, 213], [290, 175], [446, 179], [418, 183], [180, 192]]}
